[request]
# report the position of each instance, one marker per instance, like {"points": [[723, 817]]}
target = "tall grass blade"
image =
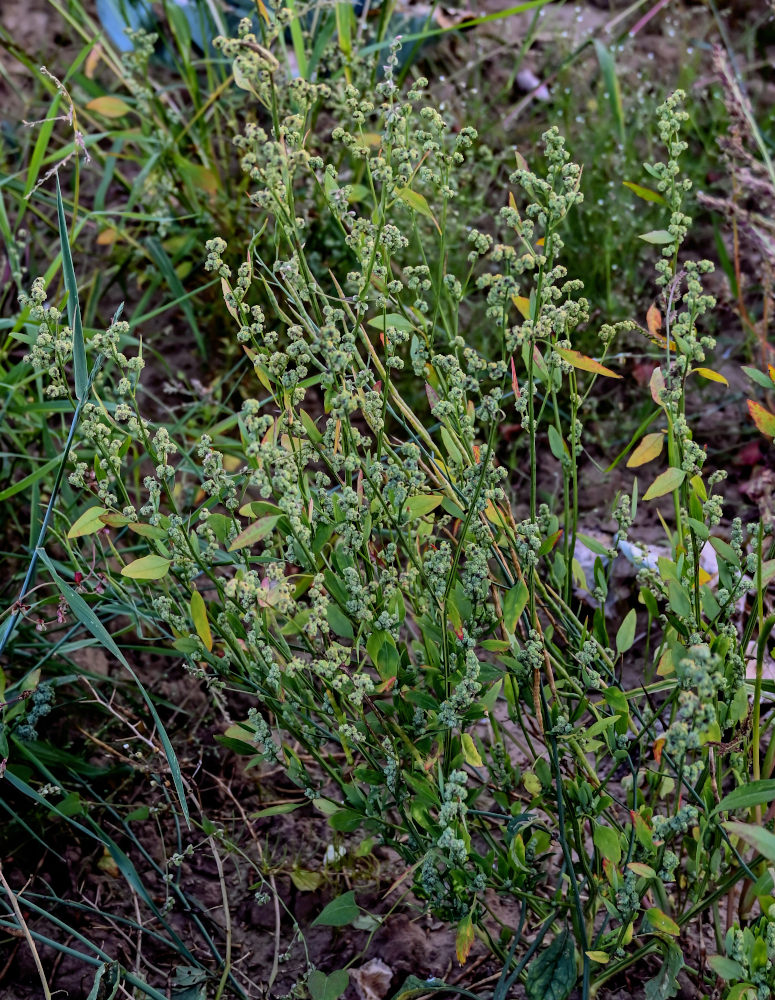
{"points": [[611, 81], [80, 371], [89, 620]]}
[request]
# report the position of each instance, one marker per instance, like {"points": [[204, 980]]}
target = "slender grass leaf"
{"points": [[29, 480], [107, 989], [90, 621], [645, 193], [754, 794], [611, 81], [80, 371]]}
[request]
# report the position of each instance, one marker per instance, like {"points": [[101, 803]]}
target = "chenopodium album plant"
{"points": [[346, 550]]}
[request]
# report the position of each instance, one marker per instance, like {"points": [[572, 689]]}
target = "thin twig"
{"points": [[26, 931]]}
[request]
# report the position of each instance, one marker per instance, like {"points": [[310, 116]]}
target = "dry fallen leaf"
{"points": [[372, 980]]}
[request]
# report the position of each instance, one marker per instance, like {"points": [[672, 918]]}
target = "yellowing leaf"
{"points": [[151, 567], [470, 753], [199, 618], [304, 880], [657, 385], [763, 419], [532, 783], [198, 176], [88, 523], [109, 107], [654, 326], [522, 304], [649, 449], [584, 363], [599, 957], [107, 864], [666, 482], [661, 922], [92, 61], [464, 939], [711, 376], [107, 237]]}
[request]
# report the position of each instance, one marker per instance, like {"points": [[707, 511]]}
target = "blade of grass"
{"points": [[90, 621], [80, 371], [33, 477], [611, 81], [164, 264], [297, 38]]}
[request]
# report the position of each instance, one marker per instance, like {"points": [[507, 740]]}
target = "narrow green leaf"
{"points": [[90, 621], [756, 793], [645, 193], [80, 371], [29, 480], [514, 604], [626, 634], [658, 237], [199, 618], [608, 69]]}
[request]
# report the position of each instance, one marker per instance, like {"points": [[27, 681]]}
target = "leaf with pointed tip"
{"points": [[665, 482], [763, 419], [584, 363], [658, 237], [88, 523], [648, 449], [87, 617], [150, 567], [80, 371]]}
